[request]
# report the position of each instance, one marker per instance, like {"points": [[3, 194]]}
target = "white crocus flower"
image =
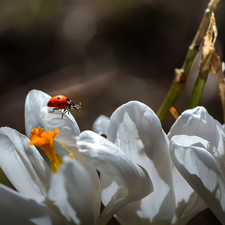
{"points": [[41, 194], [94, 152], [136, 130], [199, 155], [72, 195]]}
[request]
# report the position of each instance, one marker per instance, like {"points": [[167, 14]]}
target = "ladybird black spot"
{"points": [[58, 97], [49, 103], [67, 99], [59, 104]]}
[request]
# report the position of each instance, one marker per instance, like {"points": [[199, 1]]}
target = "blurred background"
{"points": [[102, 53]]}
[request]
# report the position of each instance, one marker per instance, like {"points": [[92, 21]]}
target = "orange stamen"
{"points": [[44, 140]]}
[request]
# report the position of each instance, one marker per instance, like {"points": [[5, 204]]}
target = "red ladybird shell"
{"points": [[59, 101]]}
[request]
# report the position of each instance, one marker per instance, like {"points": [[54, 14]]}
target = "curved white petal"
{"points": [[195, 122], [131, 181], [16, 209], [188, 202], [221, 145], [136, 130], [71, 191], [23, 165], [66, 138], [199, 163], [100, 124], [34, 102], [198, 122], [67, 126]]}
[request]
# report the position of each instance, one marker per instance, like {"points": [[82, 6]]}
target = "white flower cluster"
{"points": [[140, 174]]}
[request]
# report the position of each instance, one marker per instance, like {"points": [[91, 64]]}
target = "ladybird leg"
{"points": [[62, 114], [64, 111], [53, 110]]}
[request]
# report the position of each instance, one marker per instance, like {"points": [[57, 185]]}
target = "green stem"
{"points": [[171, 97], [180, 78], [197, 93], [177, 86], [201, 80]]}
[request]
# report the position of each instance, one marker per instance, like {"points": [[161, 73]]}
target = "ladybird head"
{"points": [[77, 107]]}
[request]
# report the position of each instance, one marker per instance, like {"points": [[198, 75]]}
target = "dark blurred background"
{"points": [[102, 53]]}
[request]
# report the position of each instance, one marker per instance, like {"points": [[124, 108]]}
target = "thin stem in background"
{"points": [[181, 75], [205, 64], [220, 77]]}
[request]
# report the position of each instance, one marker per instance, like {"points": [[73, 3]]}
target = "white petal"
{"points": [[71, 191], [68, 130], [16, 209], [67, 126], [100, 124], [197, 122], [221, 144], [136, 129], [34, 102], [132, 182], [23, 165], [188, 202], [197, 161]]}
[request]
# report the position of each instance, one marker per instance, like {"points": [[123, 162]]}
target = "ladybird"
{"points": [[62, 102]]}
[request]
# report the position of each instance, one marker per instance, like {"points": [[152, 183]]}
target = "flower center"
{"points": [[44, 140]]}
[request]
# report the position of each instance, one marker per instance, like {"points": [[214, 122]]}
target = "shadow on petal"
{"points": [[16, 209]]}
